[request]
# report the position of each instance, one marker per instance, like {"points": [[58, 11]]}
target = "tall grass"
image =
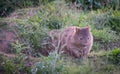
{"points": [[32, 32]]}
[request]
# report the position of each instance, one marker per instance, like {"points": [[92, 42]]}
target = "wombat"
{"points": [[74, 41]]}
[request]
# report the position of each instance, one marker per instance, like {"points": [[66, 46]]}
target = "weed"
{"points": [[96, 46], [105, 34], [9, 66], [50, 65], [18, 47], [114, 56], [114, 21]]}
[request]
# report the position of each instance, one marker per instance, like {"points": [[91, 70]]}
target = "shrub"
{"points": [[102, 19], [105, 34], [107, 19], [9, 67], [32, 35], [15, 65], [114, 56], [50, 16], [18, 47], [96, 4], [114, 21], [49, 65], [96, 46], [86, 4], [8, 6], [33, 31]]}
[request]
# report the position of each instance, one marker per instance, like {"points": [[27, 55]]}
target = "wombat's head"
{"points": [[82, 36]]}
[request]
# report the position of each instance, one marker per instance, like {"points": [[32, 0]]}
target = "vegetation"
{"points": [[114, 56], [33, 19]]}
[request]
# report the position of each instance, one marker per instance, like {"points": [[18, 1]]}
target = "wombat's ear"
{"points": [[77, 30], [88, 27]]}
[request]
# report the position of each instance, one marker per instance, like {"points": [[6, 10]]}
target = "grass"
{"points": [[32, 32], [105, 34]]}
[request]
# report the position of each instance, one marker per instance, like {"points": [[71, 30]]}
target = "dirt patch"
{"points": [[6, 37], [8, 34]]}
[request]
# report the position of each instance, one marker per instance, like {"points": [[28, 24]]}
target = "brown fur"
{"points": [[77, 41]]}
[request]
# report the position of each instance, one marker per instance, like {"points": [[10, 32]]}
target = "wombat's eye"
{"points": [[81, 38], [88, 38]]}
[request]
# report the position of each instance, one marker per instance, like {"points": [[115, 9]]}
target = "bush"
{"points": [[50, 16], [33, 31], [106, 18], [8, 6], [114, 56], [32, 35], [86, 4], [105, 34], [15, 65], [9, 67], [96, 4], [49, 65], [114, 21]]}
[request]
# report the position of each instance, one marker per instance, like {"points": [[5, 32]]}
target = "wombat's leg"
{"points": [[86, 50], [75, 53]]}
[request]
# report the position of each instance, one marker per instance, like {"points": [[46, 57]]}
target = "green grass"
{"points": [[32, 32], [105, 34]]}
